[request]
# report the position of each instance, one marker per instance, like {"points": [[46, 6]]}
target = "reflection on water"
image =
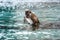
{"points": [[42, 34]]}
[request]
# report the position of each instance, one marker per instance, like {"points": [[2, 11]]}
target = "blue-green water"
{"points": [[13, 17], [43, 34]]}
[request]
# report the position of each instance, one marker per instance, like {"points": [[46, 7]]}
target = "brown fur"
{"points": [[34, 18]]}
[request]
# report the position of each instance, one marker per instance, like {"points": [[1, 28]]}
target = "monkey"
{"points": [[34, 18]]}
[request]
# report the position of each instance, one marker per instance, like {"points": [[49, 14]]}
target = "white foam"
{"points": [[15, 2], [26, 37], [26, 9], [34, 0], [1, 34], [24, 33], [46, 33]]}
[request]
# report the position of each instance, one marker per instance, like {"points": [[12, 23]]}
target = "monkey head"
{"points": [[27, 13]]}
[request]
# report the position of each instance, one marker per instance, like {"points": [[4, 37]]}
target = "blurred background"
{"points": [[12, 13]]}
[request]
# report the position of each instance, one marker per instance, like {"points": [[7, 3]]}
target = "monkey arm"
{"points": [[28, 20]]}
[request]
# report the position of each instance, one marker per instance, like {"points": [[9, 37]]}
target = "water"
{"points": [[42, 34], [12, 16]]}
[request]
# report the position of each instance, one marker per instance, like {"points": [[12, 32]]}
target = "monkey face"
{"points": [[27, 13]]}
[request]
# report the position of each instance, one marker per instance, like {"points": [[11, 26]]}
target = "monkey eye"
{"points": [[26, 12]]}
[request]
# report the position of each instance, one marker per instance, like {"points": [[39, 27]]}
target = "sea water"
{"points": [[13, 16]]}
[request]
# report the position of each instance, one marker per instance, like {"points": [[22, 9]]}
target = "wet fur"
{"points": [[34, 18]]}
